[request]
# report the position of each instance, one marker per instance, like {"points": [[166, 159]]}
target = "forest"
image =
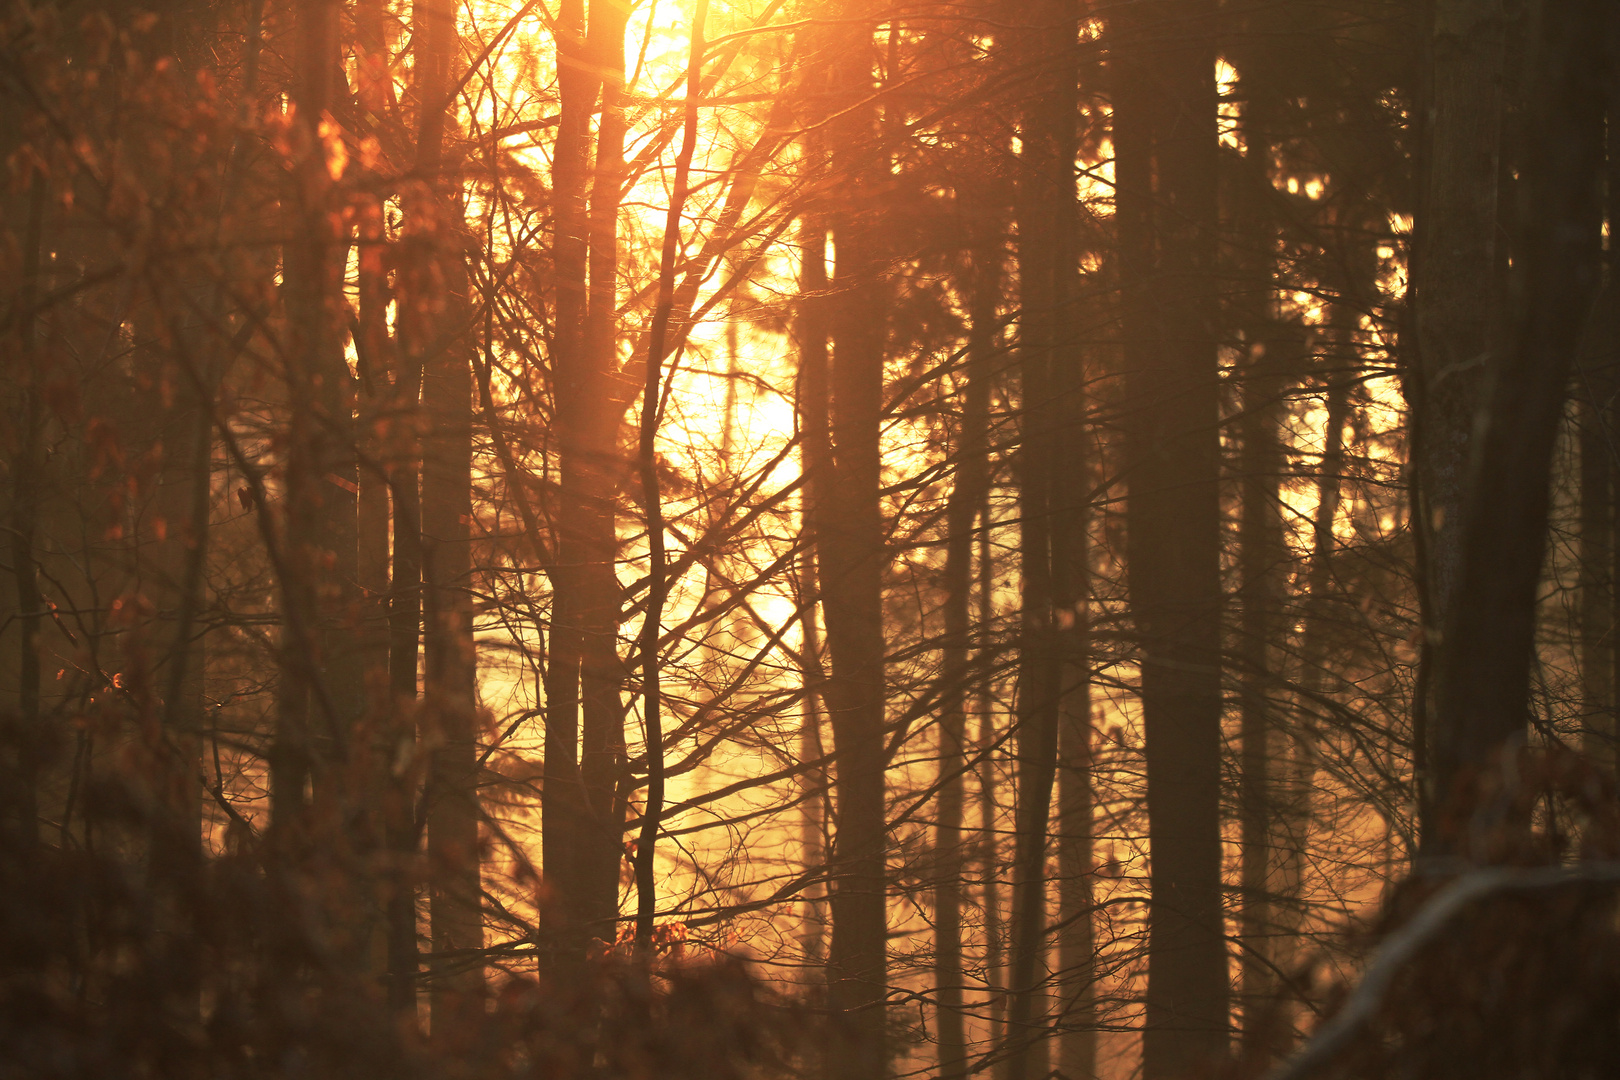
{"points": [[838, 539]]}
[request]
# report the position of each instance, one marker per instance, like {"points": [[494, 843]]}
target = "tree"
{"points": [[1483, 676], [1456, 275], [850, 550], [1165, 127]]}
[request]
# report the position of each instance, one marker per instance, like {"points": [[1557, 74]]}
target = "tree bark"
{"points": [[995, 957], [1166, 146], [450, 661], [562, 804], [374, 417], [1454, 294], [814, 407], [1077, 946], [19, 810], [1483, 692], [1046, 258], [851, 555], [325, 687], [1275, 352], [963, 506], [1260, 557], [584, 715]]}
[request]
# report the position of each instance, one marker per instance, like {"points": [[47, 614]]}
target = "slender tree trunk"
{"points": [[812, 817], [1077, 1045], [966, 498], [1045, 242], [585, 733], [850, 545], [1248, 189], [1051, 528], [1483, 699], [1608, 367], [989, 835], [562, 802], [450, 662], [1166, 147], [401, 834], [325, 690], [402, 456], [376, 363], [1455, 291], [20, 806], [1597, 382], [810, 335], [1260, 559], [602, 673]]}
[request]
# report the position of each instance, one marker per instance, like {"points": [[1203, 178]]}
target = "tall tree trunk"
{"points": [[450, 662], [1608, 367], [1046, 259], [851, 550], [1597, 382], [602, 673], [989, 832], [376, 364], [1455, 291], [325, 689], [1273, 352], [1166, 146], [400, 831], [19, 806], [401, 834], [966, 498], [584, 718], [1483, 698], [1260, 559], [562, 804], [813, 402], [1071, 551]]}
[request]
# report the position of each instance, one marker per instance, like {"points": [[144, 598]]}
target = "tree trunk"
{"points": [[600, 466], [989, 832], [325, 688], [1597, 381], [1071, 551], [966, 498], [19, 805], [1455, 291], [1260, 559], [810, 337], [584, 718], [1253, 244], [374, 417], [851, 556], [1165, 131], [450, 662], [562, 804], [400, 832], [1046, 259], [1483, 692]]}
